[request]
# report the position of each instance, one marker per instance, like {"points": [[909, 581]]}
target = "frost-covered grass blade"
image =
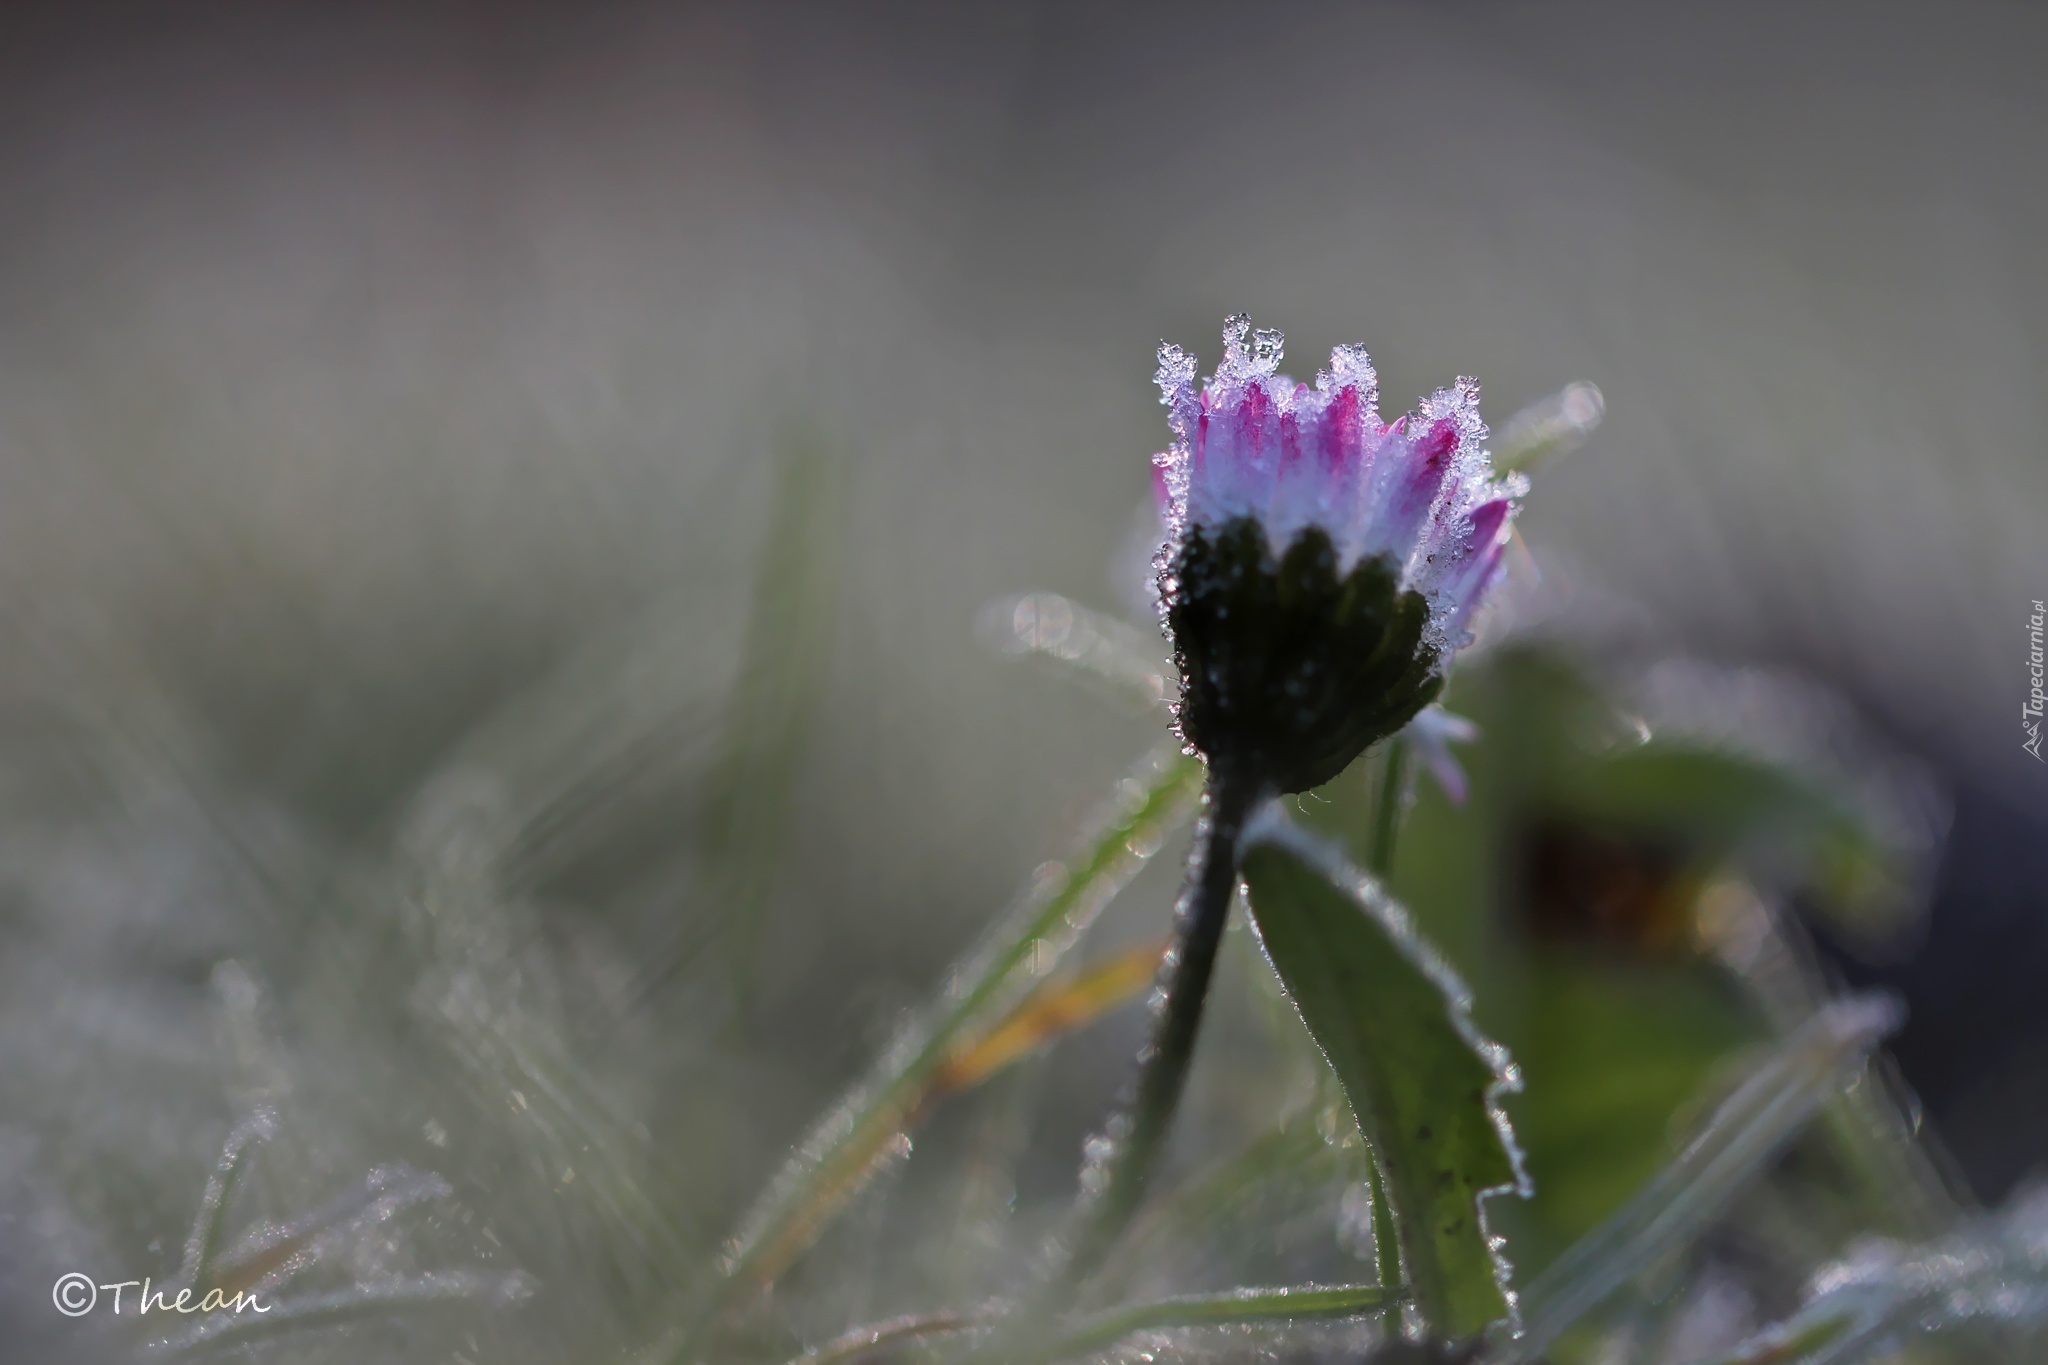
{"points": [[1992, 1271], [844, 1149], [789, 642], [1057, 1007], [1095, 1334], [366, 1302], [1750, 1127], [1128, 661], [1236, 1307], [202, 1247]]}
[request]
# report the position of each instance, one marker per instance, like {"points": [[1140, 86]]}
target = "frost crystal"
{"points": [[1419, 492]]}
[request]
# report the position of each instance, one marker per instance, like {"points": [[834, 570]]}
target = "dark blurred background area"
{"points": [[359, 362]]}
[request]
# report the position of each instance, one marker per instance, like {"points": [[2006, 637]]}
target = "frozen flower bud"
{"points": [[1320, 568]]}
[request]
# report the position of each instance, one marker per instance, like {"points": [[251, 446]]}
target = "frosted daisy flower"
{"points": [[1320, 568]]}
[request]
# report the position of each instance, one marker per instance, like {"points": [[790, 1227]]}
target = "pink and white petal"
{"points": [[1411, 472], [1431, 735]]}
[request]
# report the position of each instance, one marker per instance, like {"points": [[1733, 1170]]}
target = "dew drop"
{"points": [[1582, 405], [1042, 621]]}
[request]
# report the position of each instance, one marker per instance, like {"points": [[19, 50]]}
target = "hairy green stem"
{"points": [[1386, 810], [1386, 827], [1120, 1162]]}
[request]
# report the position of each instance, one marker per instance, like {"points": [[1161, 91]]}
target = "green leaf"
{"points": [[1858, 855], [1394, 1022]]}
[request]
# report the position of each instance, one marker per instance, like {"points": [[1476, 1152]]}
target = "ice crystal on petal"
{"points": [[1176, 380], [1351, 367], [1268, 348]]}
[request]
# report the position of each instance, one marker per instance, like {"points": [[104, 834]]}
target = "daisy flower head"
{"points": [[1320, 567]]}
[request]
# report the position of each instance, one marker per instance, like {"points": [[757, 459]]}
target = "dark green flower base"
{"points": [[1287, 671]]}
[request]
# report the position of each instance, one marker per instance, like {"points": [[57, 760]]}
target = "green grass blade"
{"points": [[844, 1148], [1987, 1272], [782, 678], [1751, 1127], [1548, 428], [1293, 1164], [1235, 1307], [859, 1342], [1128, 661], [1900, 1185], [202, 1247], [367, 1302]]}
